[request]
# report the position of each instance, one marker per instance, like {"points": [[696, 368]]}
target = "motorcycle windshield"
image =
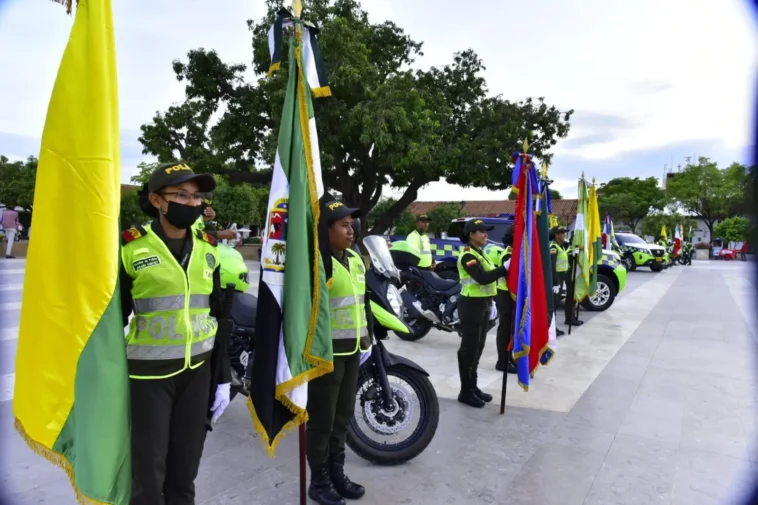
{"points": [[379, 252]]}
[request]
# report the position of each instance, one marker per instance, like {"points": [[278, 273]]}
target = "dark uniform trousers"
{"points": [[505, 311], [474, 314], [168, 433], [331, 403], [569, 304], [562, 279]]}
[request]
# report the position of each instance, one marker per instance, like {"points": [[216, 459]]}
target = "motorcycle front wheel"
{"points": [[398, 440]]}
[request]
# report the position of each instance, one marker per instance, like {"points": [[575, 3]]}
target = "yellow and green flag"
{"points": [[71, 400], [595, 237], [581, 243]]}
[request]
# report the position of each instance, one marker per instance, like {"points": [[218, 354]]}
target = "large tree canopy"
{"points": [[386, 123], [629, 200], [17, 179], [709, 193]]}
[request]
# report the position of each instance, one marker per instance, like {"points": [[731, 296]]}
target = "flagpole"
{"points": [[297, 9], [508, 350]]}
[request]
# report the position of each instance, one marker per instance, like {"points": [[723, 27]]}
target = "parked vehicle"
{"points": [[635, 252], [403, 413]]}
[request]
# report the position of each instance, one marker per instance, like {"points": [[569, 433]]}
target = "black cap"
{"points": [[334, 211], [424, 219], [171, 174], [558, 229], [473, 225]]}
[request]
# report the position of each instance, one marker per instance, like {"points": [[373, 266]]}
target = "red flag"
{"points": [[526, 281]]}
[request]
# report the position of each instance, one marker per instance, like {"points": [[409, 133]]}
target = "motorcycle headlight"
{"points": [[396, 302]]}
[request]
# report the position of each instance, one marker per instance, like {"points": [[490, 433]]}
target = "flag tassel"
{"points": [[58, 460]]}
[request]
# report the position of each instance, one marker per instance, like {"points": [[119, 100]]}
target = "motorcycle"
{"points": [[429, 301], [386, 408]]}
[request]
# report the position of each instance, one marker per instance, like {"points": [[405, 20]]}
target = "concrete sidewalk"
{"points": [[651, 402]]}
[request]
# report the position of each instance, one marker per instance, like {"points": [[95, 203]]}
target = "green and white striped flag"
{"points": [[293, 331], [581, 242]]}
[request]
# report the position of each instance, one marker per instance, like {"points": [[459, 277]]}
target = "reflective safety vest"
{"points": [[172, 328], [561, 258], [347, 304], [497, 255], [471, 288], [421, 242]]}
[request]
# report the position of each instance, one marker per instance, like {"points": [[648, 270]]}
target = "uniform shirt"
{"points": [[181, 249], [477, 272], [342, 258]]}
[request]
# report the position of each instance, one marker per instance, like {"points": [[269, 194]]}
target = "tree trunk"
{"points": [[393, 212]]}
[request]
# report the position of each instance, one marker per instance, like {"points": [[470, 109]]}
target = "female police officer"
{"points": [[478, 276], [170, 279], [331, 397]]}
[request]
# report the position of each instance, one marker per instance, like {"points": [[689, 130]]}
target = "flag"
{"points": [[581, 243], [71, 400], [677, 240], [664, 234], [607, 245], [293, 330], [526, 278], [543, 210], [595, 239]]}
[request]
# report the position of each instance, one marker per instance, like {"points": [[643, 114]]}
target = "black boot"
{"points": [[344, 486], [467, 394], [321, 489], [485, 397]]}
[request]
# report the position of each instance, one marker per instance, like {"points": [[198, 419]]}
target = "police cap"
{"points": [[172, 174]]}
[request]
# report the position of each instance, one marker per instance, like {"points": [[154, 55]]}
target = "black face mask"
{"points": [[182, 216]]}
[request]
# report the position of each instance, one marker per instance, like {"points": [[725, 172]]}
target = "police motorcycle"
{"points": [[388, 427], [429, 301]]}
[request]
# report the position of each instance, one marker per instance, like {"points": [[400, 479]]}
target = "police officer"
{"points": [[502, 257], [560, 260], [478, 276], [420, 240], [331, 397], [170, 279]]}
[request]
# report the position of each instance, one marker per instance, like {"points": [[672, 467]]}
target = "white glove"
{"points": [[221, 401], [556, 289], [507, 264]]}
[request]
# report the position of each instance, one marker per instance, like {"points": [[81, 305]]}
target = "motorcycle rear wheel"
{"points": [[387, 454], [419, 329]]}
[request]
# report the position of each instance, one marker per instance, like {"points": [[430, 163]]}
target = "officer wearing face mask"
{"points": [[170, 279]]}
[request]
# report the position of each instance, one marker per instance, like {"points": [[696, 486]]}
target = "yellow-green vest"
{"points": [[421, 242], [497, 254], [172, 328], [561, 258], [471, 288], [348, 305]]}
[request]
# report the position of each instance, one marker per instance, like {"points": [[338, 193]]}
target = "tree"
{"points": [[405, 223], [709, 193], [384, 126], [652, 224], [17, 179], [131, 214], [145, 170], [235, 204], [629, 200], [441, 217], [733, 229], [554, 195]]}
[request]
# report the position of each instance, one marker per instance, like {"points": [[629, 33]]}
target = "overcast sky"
{"points": [[651, 81]]}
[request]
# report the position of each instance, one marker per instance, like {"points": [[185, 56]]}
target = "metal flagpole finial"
{"points": [[544, 170], [593, 181], [297, 7], [526, 145]]}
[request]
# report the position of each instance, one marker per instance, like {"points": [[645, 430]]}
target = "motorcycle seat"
{"points": [[244, 309], [436, 282]]}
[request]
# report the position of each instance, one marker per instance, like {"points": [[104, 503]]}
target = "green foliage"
{"points": [[554, 195], [235, 204], [384, 126], [441, 217], [733, 229], [629, 200], [145, 170], [131, 214], [405, 223], [17, 179], [261, 208], [652, 224], [709, 193]]}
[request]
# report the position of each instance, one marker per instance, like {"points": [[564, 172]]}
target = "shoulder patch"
{"points": [[467, 248], [132, 234], [471, 263], [205, 237]]}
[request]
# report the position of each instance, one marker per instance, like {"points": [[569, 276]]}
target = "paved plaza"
{"points": [[650, 402]]}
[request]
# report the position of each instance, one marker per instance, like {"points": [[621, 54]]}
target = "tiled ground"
{"points": [[652, 402]]}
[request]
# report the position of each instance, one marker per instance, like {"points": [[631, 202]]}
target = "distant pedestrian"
{"points": [[10, 226]]}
